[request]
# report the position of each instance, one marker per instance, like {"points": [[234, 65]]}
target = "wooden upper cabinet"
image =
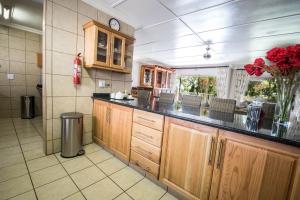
{"points": [[187, 157], [107, 49], [120, 130], [155, 76], [246, 168], [101, 122]]}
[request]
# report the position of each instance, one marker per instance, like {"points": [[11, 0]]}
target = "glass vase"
{"points": [[285, 95]]}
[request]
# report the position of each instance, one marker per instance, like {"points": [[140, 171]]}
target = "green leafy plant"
{"points": [[197, 85], [265, 89]]}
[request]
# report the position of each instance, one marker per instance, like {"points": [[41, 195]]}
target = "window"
{"points": [[196, 85], [265, 89]]}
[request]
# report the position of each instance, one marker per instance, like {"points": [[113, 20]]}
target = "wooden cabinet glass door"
{"points": [[128, 53], [187, 157], [103, 47], [117, 51]]}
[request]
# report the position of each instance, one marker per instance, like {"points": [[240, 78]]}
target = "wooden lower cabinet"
{"points": [[101, 122], [120, 130], [188, 157], [112, 127], [144, 163], [251, 168], [197, 161]]}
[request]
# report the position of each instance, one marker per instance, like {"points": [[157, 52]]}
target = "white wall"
{"points": [[136, 73]]}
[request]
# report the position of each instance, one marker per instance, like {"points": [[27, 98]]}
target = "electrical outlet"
{"points": [[10, 76], [101, 83]]}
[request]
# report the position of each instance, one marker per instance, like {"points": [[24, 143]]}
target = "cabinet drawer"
{"points": [[151, 120], [144, 163], [147, 134], [147, 150]]}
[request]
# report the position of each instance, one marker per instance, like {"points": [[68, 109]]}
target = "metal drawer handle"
{"points": [[212, 144], [141, 133], [107, 113], [220, 154], [149, 120]]}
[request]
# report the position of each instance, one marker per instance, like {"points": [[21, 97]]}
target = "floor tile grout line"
{"points": [[124, 191], [18, 194], [100, 161], [163, 195], [39, 158], [121, 194], [71, 179], [9, 146], [14, 178], [73, 194], [50, 182], [44, 168], [35, 128], [25, 162], [108, 177]]}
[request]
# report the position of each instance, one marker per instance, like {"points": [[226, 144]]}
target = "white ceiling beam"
{"points": [[114, 5]]}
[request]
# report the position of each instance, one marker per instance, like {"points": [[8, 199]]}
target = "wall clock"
{"points": [[114, 24]]}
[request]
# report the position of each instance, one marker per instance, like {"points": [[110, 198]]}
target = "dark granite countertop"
{"points": [[236, 123]]}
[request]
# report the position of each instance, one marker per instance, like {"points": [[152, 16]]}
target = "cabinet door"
{"points": [[117, 51], [187, 158], [245, 171], [120, 130], [101, 122], [128, 54], [102, 47]]}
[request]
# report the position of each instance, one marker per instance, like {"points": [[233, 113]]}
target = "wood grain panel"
{"points": [[277, 176], [144, 163], [187, 151], [146, 150], [295, 183], [242, 172], [101, 122], [120, 130], [252, 168], [148, 119], [147, 134]]}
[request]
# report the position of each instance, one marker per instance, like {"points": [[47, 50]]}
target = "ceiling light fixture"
{"points": [[207, 55], [6, 12]]}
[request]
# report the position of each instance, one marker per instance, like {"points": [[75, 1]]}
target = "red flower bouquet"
{"points": [[284, 67]]}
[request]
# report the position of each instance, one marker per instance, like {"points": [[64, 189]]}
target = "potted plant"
{"points": [[284, 66]]}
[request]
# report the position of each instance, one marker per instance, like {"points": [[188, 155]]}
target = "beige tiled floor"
{"points": [[27, 174]]}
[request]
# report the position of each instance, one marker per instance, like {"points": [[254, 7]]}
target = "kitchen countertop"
{"points": [[235, 123]]}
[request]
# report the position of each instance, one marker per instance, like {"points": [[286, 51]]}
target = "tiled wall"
{"points": [[18, 56], [64, 37]]}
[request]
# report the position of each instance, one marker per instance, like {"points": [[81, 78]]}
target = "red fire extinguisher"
{"points": [[76, 70]]}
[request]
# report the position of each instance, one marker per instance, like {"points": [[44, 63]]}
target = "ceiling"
{"points": [[27, 15], [175, 32]]}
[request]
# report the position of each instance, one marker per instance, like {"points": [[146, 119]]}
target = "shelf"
{"points": [[102, 48]]}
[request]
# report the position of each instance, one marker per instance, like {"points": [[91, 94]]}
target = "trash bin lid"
{"points": [[71, 115]]}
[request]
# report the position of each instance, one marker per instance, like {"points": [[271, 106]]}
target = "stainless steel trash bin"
{"points": [[27, 107], [71, 134]]}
